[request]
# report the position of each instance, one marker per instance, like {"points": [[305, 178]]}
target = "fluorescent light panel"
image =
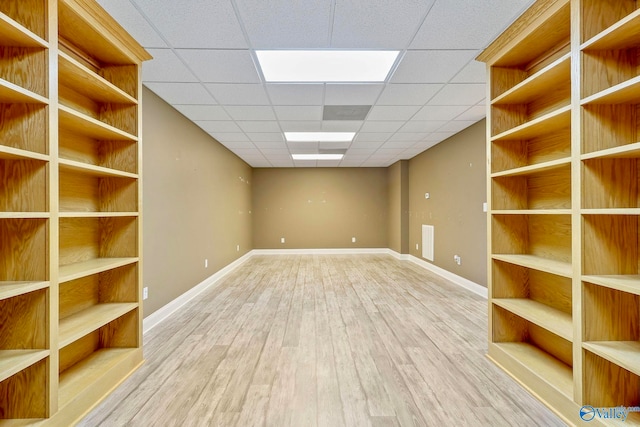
{"points": [[317, 156], [319, 136], [326, 65]]}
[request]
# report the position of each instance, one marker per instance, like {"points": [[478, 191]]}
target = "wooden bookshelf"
{"points": [[70, 223], [564, 203]]}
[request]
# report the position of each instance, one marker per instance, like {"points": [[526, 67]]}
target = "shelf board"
{"points": [[87, 268], [542, 364], [12, 93], [82, 124], [625, 354], [86, 321], [532, 212], [611, 211], [628, 151], [11, 153], [626, 92], [549, 318], [623, 34], [85, 373], [626, 283], [14, 361], [531, 169], [558, 268], [13, 289], [14, 34], [99, 171], [546, 124], [25, 215], [555, 73], [97, 214], [83, 80]]}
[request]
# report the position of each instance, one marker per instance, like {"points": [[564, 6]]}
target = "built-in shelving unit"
{"points": [[70, 224], [564, 203]]}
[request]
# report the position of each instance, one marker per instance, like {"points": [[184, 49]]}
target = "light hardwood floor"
{"points": [[326, 340]]}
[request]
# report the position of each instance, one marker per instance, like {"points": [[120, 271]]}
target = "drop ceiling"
{"points": [[205, 66]]}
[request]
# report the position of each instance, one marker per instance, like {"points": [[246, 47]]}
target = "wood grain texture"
{"points": [[23, 320], [598, 15], [23, 186], [26, 67], [24, 126], [610, 244], [604, 69], [606, 383], [31, 14], [608, 126], [610, 315], [346, 364], [79, 191], [24, 394], [23, 249], [610, 183]]}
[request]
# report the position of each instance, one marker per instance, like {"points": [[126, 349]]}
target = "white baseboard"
{"points": [[327, 251], [165, 311], [458, 280], [158, 316]]}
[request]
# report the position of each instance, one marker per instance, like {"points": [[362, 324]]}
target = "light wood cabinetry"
{"points": [[564, 203], [70, 231]]}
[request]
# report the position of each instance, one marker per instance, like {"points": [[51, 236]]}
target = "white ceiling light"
{"points": [[319, 136], [317, 156], [326, 65]]}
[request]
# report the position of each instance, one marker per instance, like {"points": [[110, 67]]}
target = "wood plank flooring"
{"points": [[323, 340]]}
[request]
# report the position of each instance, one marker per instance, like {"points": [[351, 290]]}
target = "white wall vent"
{"points": [[427, 241]]}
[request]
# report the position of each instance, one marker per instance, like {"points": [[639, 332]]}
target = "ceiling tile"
{"points": [[238, 94], [270, 145], [248, 153], [282, 163], [266, 136], [303, 147], [439, 136], [372, 136], [232, 145], [166, 67], [203, 112], [473, 72], [348, 163], [456, 125], [329, 163], [387, 152], [431, 66], [381, 126], [258, 126], [408, 136], [301, 126], [277, 154], [221, 66], [408, 94], [465, 24], [296, 94], [398, 144], [392, 112], [226, 137], [383, 24], [182, 93], [214, 126], [130, 18], [250, 112], [422, 126], [305, 163], [477, 112], [352, 94], [367, 145], [333, 145], [298, 112], [341, 125], [209, 23], [259, 163], [360, 152], [430, 112], [281, 24], [459, 94]]}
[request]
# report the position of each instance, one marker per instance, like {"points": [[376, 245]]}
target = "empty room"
{"points": [[319, 213]]}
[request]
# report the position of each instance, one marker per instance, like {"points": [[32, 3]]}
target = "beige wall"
{"points": [[453, 172], [320, 208], [196, 206], [398, 208]]}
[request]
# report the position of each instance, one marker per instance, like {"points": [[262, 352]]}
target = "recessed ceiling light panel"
{"points": [[319, 136], [317, 156], [326, 65]]}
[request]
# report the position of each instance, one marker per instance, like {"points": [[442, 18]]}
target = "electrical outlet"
{"points": [[417, 247], [282, 240], [206, 263], [457, 259], [353, 240], [237, 248], [145, 292]]}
